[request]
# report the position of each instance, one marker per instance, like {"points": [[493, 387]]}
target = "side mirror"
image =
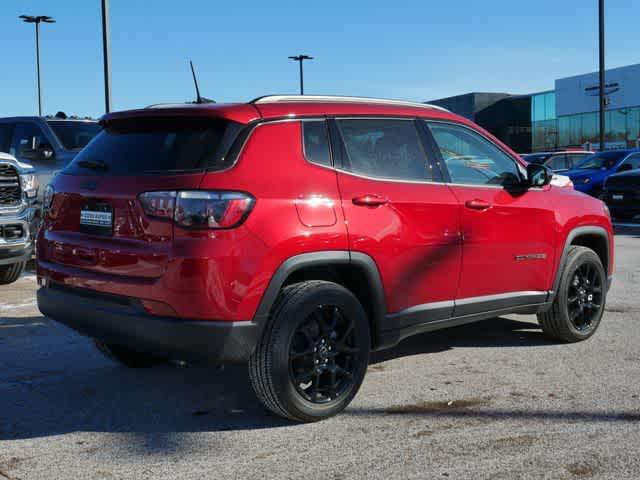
{"points": [[45, 152], [538, 175]]}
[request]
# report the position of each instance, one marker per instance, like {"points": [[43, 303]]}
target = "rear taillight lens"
{"points": [[199, 209], [158, 204]]}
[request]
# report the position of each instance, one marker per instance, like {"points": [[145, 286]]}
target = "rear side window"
{"points": [[557, 162], [471, 159], [157, 145], [384, 148], [316, 142]]}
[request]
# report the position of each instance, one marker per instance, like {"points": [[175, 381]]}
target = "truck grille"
{"points": [[9, 185]]}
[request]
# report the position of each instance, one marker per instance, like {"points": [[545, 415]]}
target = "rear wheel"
{"points": [[314, 352], [129, 357], [11, 273], [579, 303]]}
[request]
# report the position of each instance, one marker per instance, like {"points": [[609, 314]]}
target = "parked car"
{"points": [[48, 144], [589, 175], [560, 161], [18, 216], [622, 194], [299, 233]]}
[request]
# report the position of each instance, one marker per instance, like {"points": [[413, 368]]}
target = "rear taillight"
{"points": [[158, 204], [199, 209]]}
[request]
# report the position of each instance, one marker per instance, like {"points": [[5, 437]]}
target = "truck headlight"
{"points": [[29, 184]]}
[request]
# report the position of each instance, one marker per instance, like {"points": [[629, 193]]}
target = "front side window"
{"points": [[574, 158], [384, 148], [27, 138], [5, 137], [471, 159], [316, 142]]}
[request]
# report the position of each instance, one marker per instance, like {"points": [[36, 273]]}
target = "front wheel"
{"points": [[11, 273], [579, 303], [314, 352]]}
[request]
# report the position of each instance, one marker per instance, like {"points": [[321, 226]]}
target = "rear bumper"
{"points": [[123, 321]]}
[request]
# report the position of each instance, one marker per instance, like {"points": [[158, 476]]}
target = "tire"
{"points": [[568, 320], [129, 357], [11, 273], [302, 370]]}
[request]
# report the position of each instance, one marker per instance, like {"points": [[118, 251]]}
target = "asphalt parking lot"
{"points": [[491, 400]]}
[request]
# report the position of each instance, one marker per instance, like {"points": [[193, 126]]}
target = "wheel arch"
{"points": [[594, 237], [355, 271]]}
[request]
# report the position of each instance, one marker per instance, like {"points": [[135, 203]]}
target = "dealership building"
{"points": [[566, 117]]}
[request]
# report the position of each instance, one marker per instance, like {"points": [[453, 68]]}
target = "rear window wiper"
{"points": [[93, 164]]}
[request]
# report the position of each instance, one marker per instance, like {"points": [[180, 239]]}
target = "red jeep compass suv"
{"points": [[301, 233]]}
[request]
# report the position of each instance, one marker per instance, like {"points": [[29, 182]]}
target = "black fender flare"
{"points": [[573, 234], [325, 258]]}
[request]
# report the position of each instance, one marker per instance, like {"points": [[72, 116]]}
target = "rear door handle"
{"points": [[370, 200], [477, 204]]}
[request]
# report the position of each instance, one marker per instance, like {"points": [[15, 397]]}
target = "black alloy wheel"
{"points": [[313, 354], [578, 306], [323, 355], [584, 299]]}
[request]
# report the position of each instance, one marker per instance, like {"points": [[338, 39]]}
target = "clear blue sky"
{"points": [[417, 50]]}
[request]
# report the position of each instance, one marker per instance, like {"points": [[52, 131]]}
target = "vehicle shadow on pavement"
{"points": [[79, 390], [496, 332]]}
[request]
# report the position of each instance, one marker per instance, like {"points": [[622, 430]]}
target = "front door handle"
{"points": [[370, 200], [477, 204]]}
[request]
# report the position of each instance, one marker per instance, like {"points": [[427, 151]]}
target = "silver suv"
{"points": [[48, 144], [19, 216]]}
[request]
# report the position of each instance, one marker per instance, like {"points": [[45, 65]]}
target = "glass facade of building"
{"points": [[549, 132]]}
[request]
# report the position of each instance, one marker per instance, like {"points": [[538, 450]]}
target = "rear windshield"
{"points": [[74, 135], [157, 145]]}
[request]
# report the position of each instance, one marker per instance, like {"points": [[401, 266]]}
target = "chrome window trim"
{"points": [[260, 123]]}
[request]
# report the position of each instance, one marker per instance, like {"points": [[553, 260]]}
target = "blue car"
{"points": [[589, 175]]}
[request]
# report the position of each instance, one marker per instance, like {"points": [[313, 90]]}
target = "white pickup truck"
{"points": [[19, 216]]}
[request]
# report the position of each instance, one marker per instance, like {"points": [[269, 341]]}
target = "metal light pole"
{"points": [[37, 20], [300, 59], [106, 56], [602, 77]]}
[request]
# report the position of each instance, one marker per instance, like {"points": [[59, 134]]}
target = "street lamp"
{"points": [[603, 103], [300, 59], [37, 20], [106, 55]]}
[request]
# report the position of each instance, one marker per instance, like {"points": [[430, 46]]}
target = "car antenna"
{"points": [[199, 99]]}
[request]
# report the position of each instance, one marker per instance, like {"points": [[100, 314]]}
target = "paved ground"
{"points": [[491, 400]]}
